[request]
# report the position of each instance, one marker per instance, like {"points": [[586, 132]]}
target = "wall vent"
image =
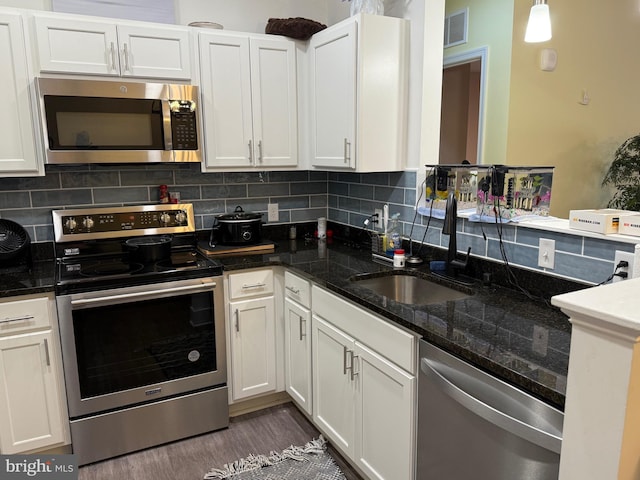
{"points": [[455, 28]]}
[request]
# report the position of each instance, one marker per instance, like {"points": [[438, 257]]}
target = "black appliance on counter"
{"points": [[237, 228], [14, 245], [141, 320]]}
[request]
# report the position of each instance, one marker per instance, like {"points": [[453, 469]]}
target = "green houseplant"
{"points": [[624, 175]]}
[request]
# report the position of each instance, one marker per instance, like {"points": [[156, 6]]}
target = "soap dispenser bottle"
{"points": [[394, 241]]}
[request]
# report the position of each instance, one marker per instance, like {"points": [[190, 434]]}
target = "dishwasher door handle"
{"points": [[491, 414]]}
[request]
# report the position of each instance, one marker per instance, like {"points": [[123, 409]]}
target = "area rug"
{"points": [[308, 462]]}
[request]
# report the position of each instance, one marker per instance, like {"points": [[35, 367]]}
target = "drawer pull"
{"points": [[127, 68], [17, 319], [347, 151], [46, 352], [113, 57], [344, 360], [302, 334], [295, 291], [253, 285], [353, 370], [237, 322]]}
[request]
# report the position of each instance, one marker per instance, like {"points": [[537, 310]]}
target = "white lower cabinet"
{"points": [[32, 408], [297, 353], [251, 329], [364, 386]]}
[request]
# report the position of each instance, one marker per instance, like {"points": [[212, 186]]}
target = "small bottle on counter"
{"points": [[398, 258], [163, 194]]}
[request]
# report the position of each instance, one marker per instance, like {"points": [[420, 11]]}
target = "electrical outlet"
{"points": [[540, 340], [546, 253], [378, 221], [272, 212], [623, 257]]}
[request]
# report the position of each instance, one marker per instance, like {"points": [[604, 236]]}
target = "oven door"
{"points": [[134, 345]]}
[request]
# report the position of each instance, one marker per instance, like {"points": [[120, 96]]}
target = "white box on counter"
{"points": [[605, 220], [630, 224]]}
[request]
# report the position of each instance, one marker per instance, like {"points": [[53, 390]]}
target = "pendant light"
{"points": [[539, 25]]}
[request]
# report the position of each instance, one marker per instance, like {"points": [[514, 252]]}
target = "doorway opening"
{"points": [[461, 122]]}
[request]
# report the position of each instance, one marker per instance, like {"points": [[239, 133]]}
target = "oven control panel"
{"points": [[97, 223]]}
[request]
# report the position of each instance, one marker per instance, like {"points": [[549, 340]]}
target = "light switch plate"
{"points": [[272, 212], [547, 253]]}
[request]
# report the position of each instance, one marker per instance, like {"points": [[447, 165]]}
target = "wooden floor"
{"points": [[274, 428]]}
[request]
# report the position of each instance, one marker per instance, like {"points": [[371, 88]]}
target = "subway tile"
{"points": [[187, 193], [196, 177], [213, 192], [604, 249], [410, 196], [477, 244], [15, 199], [48, 182], [30, 216], [268, 189], [284, 216], [347, 203], [339, 216], [564, 243], [516, 254], [43, 233], [318, 201], [245, 177], [492, 230], [335, 188], [291, 202], [293, 176], [361, 191], [403, 179], [90, 179], [248, 205], [582, 268], [332, 201], [207, 206], [146, 177], [61, 198], [377, 178], [349, 177], [389, 194], [315, 176], [121, 195], [307, 214], [308, 188]]}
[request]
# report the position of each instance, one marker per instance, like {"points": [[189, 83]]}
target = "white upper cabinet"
{"points": [[82, 45], [358, 89], [249, 91], [18, 154]]}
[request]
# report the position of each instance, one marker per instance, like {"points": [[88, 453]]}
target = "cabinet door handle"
{"points": [[295, 291], [301, 321], [353, 370], [113, 57], [347, 150], [250, 151], [344, 360], [46, 352], [237, 321], [260, 151], [247, 286], [126, 58], [17, 319]]}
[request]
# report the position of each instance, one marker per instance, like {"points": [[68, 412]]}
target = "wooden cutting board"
{"points": [[264, 247]]}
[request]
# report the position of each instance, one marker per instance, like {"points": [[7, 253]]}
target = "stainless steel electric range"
{"points": [[142, 328]]}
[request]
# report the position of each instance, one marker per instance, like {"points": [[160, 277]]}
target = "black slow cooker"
{"points": [[237, 228]]}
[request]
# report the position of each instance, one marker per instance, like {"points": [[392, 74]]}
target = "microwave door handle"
{"points": [[166, 116]]}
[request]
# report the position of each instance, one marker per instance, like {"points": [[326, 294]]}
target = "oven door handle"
{"points": [[148, 294]]}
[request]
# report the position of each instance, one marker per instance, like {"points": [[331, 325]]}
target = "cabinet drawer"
{"points": [[297, 288], [395, 344], [21, 315], [250, 284]]}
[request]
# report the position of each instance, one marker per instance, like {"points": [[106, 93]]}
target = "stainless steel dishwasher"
{"points": [[473, 426]]}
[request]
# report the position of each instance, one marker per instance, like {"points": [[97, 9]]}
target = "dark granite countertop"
{"points": [[518, 338], [35, 275]]}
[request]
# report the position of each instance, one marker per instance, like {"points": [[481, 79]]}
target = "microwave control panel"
{"points": [[184, 133]]}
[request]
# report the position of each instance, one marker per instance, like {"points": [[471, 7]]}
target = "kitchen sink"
{"points": [[411, 289]]}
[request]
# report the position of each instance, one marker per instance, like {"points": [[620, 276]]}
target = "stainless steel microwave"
{"points": [[91, 121]]}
